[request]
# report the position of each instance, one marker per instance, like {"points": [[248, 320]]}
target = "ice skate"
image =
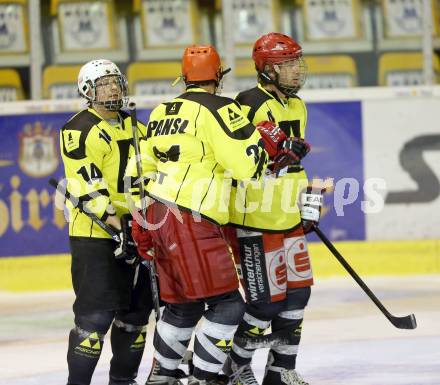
{"points": [[159, 376], [119, 382], [220, 379], [239, 374], [280, 376]]}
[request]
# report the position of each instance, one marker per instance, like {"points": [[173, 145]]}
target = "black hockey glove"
{"points": [[126, 249], [312, 201]]}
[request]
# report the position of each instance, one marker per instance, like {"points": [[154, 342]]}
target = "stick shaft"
{"points": [[137, 152], [75, 201], [150, 264]]}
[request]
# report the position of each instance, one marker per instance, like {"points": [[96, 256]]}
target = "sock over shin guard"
{"points": [[291, 320], [128, 343], [83, 354], [214, 338], [173, 334], [285, 355], [250, 327]]}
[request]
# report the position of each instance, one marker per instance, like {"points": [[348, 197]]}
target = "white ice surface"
{"points": [[346, 340]]}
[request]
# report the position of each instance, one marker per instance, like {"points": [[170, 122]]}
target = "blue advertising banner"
{"points": [[29, 156], [335, 133], [30, 224]]}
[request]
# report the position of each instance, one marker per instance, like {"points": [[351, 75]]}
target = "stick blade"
{"points": [[407, 322]]}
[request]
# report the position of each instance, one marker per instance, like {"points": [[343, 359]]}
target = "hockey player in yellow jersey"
{"points": [[95, 146], [195, 145], [266, 233]]}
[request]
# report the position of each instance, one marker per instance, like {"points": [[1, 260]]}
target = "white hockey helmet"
{"points": [[95, 70]]}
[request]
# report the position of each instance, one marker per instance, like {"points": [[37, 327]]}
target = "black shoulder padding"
{"points": [[253, 98], [83, 122], [213, 103]]}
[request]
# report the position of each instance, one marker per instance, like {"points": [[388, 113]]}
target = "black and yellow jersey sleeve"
{"points": [[195, 145], [271, 205], [95, 154]]}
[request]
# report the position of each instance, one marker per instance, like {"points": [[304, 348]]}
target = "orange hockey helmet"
{"points": [[201, 63], [273, 49]]}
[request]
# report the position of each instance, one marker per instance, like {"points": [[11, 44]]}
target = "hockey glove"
{"points": [[272, 137], [311, 203], [291, 151], [143, 240], [126, 249]]}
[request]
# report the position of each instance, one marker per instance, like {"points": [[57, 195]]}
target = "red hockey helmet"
{"points": [[201, 63], [272, 50]]}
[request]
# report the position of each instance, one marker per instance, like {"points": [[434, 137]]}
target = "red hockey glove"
{"points": [[291, 151], [272, 137], [144, 241]]}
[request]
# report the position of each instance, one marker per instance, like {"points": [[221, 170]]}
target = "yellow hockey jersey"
{"points": [[194, 146], [272, 204], [95, 154]]}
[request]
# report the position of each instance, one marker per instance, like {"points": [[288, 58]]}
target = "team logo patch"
{"points": [[255, 331], [173, 108], [278, 271], [38, 154], [90, 345], [298, 259], [222, 344], [231, 116], [139, 343]]}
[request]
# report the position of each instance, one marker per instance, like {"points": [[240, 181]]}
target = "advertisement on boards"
{"points": [[402, 154], [29, 157], [334, 131]]}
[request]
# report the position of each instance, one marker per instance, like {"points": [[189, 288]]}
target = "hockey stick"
{"points": [[74, 200], [150, 264], [107, 228], [406, 322]]}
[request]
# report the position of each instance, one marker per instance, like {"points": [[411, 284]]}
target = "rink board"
{"points": [[52, 272]]}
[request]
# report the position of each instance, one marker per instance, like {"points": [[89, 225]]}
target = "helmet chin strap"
{"points": [[286, 91]]}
